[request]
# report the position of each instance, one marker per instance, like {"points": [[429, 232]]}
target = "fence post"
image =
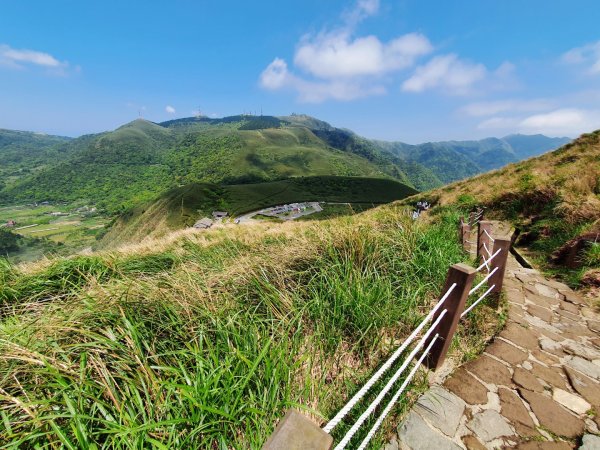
{"points": [[484, 239], [462, 275], [502, 244], [297, 432], [465, 230], [472, 218]]}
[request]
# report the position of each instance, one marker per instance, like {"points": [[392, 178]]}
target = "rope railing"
{"points": [[487, 277], [361, 393], [444, 318], [394, 399], [352, 431]]}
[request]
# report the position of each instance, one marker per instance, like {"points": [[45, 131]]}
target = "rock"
{"points": [[590, 442], [467, 387], [506, 352], [584, 366], [544, 357], [571, 401], [545, 290], [519, 335], [415, 434], [441, 408], [556, 284], [594, 326], [552, 416], [550, 346], [546, 302], [550, 375], [472, 443], [575, 348], [585, 386], [392, 445], [526, 380], [568, 314], [489, 425], [489, 370], [539, 311], [541, 445], [516, 297], [566, 306], [511, 407], [589, 313], [571, 296]]}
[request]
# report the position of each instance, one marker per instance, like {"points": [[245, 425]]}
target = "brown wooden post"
{"points": [[484, 239], [499, 261], [462, 275], [465, 235], [472, 218], [298, 432]]}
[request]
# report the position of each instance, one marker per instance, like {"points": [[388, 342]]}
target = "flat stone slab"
{"points": [[552, 416], [519, 335], [472, 443], [551, 375], [489, 425], [298, 432], [584, 366], [571, 401], [467, 387], [512, 407], [545, 290], [539, 311], [506, 352], [575, 348], [525, 379], [590, 442], [544, 445], [442, 409], [415, 434], [490, 371], [587, 387]]}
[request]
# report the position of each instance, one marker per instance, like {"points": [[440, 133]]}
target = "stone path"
{"points": [[536, 386]]}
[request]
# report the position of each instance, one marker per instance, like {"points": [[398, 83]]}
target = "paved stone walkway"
{"points": [[536, 386]]}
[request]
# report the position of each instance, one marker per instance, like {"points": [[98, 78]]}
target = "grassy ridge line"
{"points": [[182, 206], [552, 199], [202, 340]]}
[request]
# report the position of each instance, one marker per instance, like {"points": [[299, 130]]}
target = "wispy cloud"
{"points": [[22, 58], [446, 72], [559, 122], [490, 108], [338, 65], [169, 109], [586, 55]]}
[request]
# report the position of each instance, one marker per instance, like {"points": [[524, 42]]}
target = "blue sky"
{"points": [[403, 70]]}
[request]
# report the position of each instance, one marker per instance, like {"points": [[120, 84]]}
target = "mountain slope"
{"points": [[24, 152], [455, 160], [139, 160]]}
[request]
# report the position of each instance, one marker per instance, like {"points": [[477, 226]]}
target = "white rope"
{"points": [[485, 263], [483, 281], [470, 242], [477, 301], [485, 247], [388, 386], [360, 394], [488, 235], [394, 399]]}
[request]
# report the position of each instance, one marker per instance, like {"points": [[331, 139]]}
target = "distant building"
{"points": [[11, 223], [203, 224], [219, 214]]}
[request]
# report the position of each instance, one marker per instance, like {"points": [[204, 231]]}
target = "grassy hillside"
{"points": [[204, 339], [553, 199], [455, 160], [138, 161], [23, 153], [181, 207]]}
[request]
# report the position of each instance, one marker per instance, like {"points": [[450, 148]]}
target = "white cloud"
{"points": [[338, 65], [277, 76], [20, 58], [559, 122], [446, 72], [169, 109], [588, 55], [482, 109], [338, 55]]}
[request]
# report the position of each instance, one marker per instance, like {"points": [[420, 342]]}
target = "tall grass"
{"points": [[205, 344]]}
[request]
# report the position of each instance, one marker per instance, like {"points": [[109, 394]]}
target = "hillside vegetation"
{"points": [[204, 339], [181, 207], [552, 199], [140, 160]]}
